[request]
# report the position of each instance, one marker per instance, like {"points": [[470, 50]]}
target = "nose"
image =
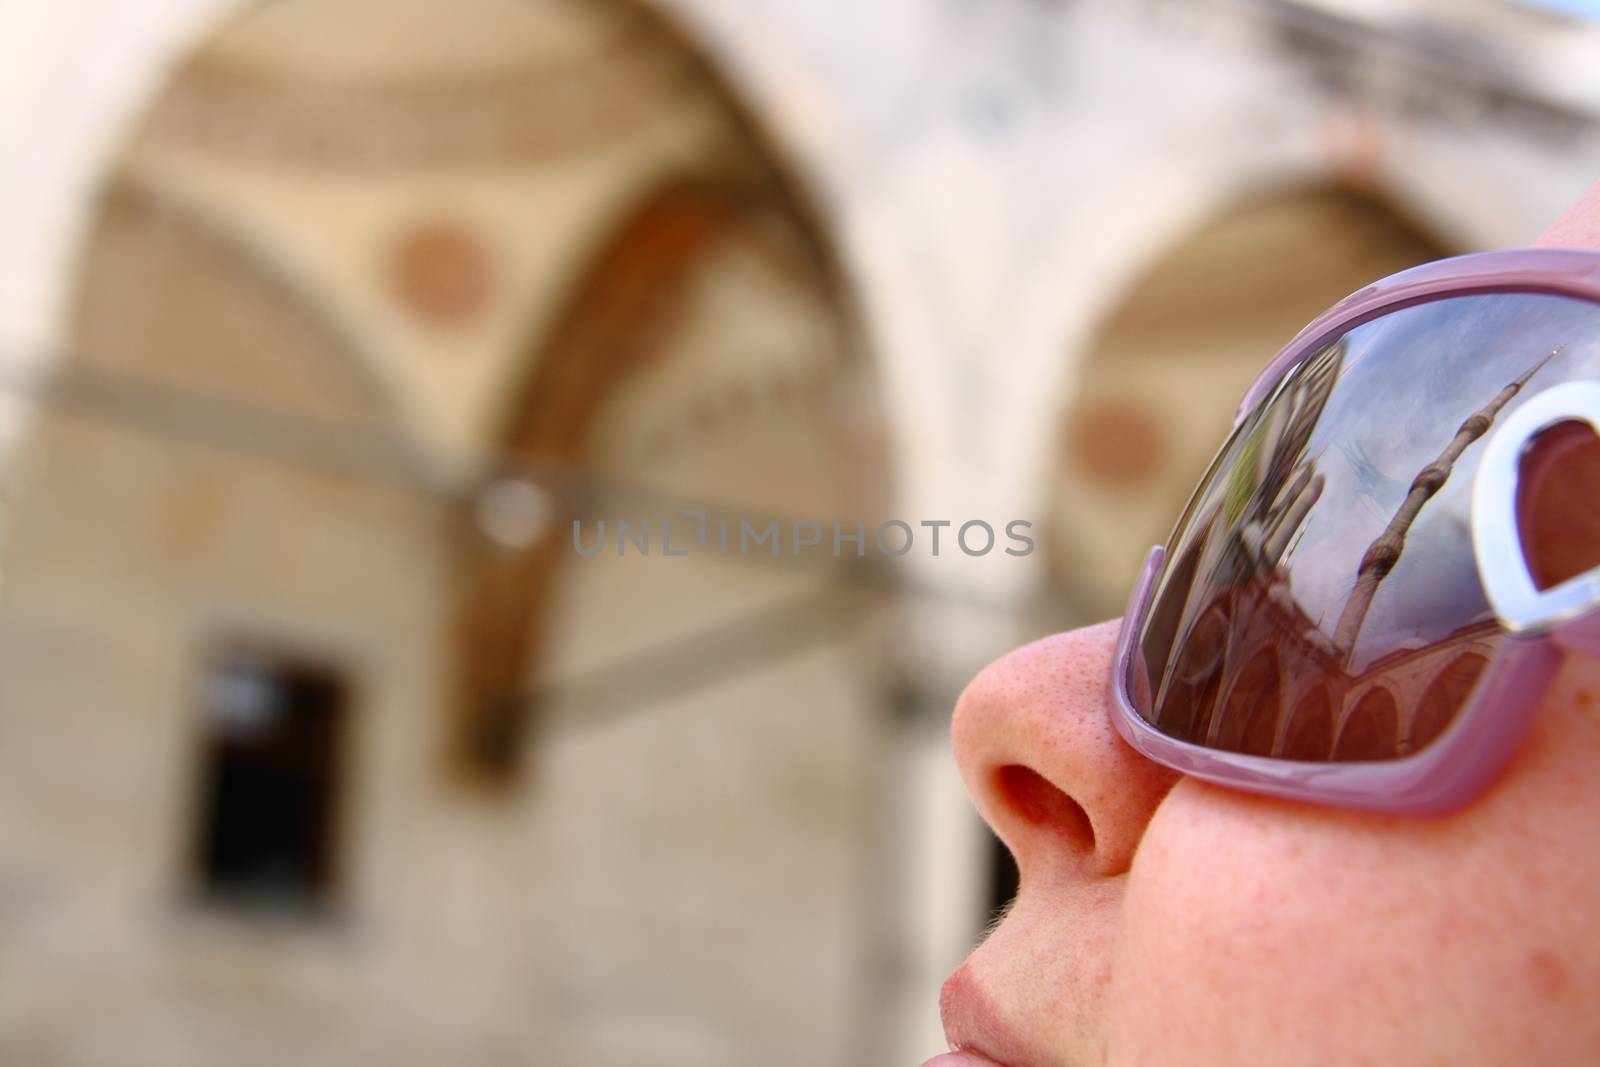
{"points": [[1045, 766]]}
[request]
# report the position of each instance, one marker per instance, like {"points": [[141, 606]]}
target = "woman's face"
{"points": [[1165, 921]]}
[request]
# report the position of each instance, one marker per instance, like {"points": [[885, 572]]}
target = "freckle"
{"points": [[1585, 698], [1549, 976]]}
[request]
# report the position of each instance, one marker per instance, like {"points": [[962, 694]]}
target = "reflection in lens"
{"points": [[1310, 732], [1204, 648], [1252, 707], [1371, 729], [1444, 695], [1329, 544], [1197, 673], [1260, 731]]}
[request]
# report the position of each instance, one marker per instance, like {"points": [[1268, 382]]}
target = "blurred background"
{"points": [[321, 320]]}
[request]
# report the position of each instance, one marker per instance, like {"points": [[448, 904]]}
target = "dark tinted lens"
{"points": [[1320, 599]]}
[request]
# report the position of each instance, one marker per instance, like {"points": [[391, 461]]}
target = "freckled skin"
{"points": [[1200, 925]]}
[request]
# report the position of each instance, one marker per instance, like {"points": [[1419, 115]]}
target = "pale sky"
{"points": [[1409, 380]]}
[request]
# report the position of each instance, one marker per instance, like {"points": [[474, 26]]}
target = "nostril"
{"points": [[1034, 800]]}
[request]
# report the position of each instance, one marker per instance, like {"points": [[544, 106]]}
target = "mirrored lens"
{"points": [[1320, 600]]}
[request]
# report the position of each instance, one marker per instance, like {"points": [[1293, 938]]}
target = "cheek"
{"points": [[1241, 937], [1254, 931]]}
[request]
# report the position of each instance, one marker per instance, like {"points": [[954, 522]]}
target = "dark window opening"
{"points": [[269, 782]]}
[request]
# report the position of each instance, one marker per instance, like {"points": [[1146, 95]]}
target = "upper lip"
{"points": [[973, 1024]]}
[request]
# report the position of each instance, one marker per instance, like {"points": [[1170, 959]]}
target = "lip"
{"points": [[973, 1027], [960, 1059]]}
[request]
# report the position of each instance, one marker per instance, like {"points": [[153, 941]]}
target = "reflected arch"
{"points": [[1371, 726]]}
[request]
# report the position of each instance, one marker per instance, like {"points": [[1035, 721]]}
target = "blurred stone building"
{"points": [[325, 318]]}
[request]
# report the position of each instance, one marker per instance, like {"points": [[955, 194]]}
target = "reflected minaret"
{"points": [[1384, 553]]}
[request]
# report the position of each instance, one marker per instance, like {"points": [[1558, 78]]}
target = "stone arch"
{"points": [[1446, 693], [1198, 670], [543, 884], [1308, 733], [1254, 704], [225, 100], [1370, 728], [204, 407], [340, 392], [622, 306]]}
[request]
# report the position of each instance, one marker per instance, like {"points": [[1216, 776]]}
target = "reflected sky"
{"points": [[1407, 383]]}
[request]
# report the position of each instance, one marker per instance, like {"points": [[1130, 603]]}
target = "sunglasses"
{"points": [[1377, 578]]}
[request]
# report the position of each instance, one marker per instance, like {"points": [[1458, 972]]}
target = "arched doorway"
{"points": [[348, 754]]}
